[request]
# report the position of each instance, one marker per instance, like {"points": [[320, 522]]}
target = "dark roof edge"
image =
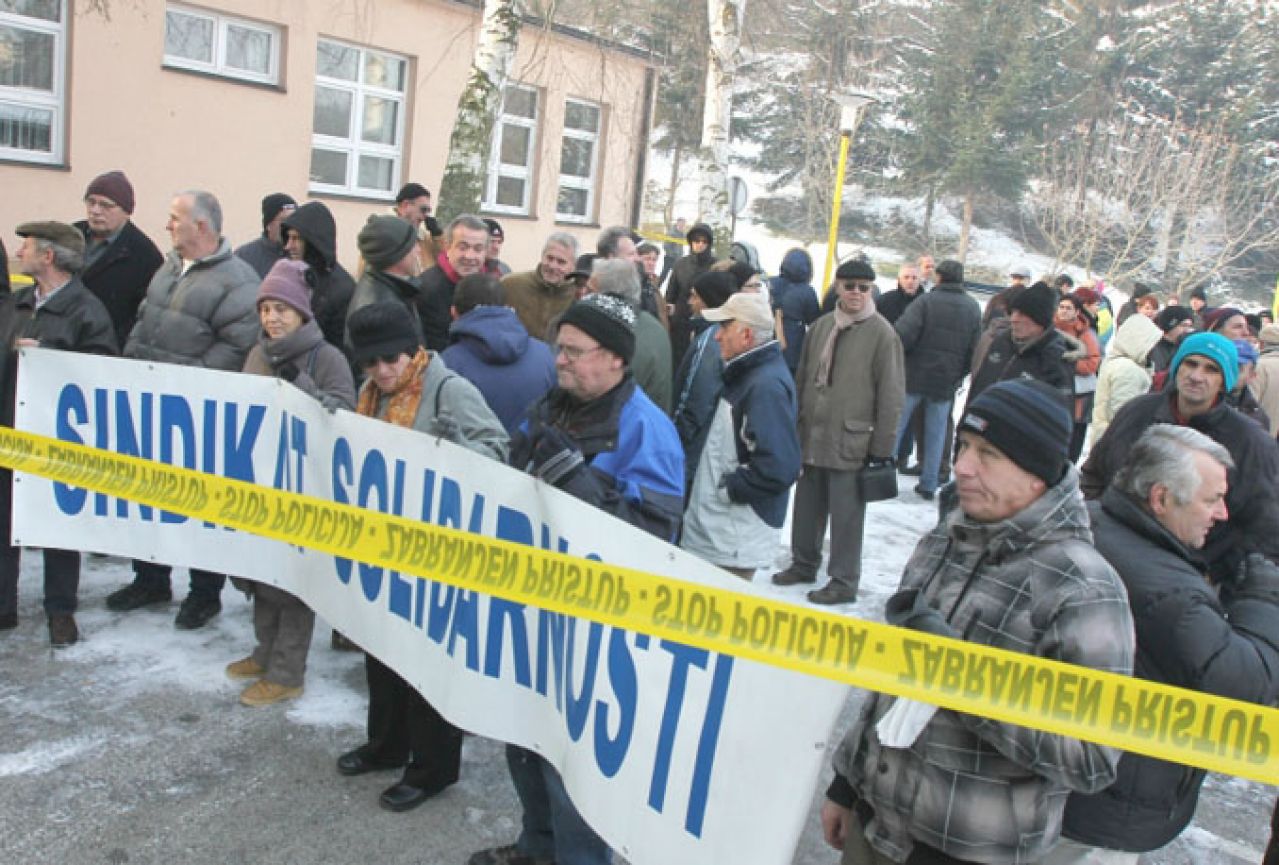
{"points": [[572, 33]]}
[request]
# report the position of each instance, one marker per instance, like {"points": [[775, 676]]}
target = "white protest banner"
{"points": [[673, 753]]}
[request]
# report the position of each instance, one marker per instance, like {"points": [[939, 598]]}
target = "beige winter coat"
{"points": [[1124, 374]]}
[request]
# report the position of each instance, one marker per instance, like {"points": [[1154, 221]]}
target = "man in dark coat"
{"points": [[466, 242], [892, 304], [938, 334], [492, 350], [1149, 524], [1026, 346], [393, 259], [1203, 371], [310, 235], [1176, 322], [699, 260], [266, 249], [57, 312], [119, 260]]}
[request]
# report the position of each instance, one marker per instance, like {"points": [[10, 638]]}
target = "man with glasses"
{"points": [[119, 260], [595, 436], [851, 382]]}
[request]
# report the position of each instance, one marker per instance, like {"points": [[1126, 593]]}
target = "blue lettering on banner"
{"points": [[113, 425], [343, 474]]}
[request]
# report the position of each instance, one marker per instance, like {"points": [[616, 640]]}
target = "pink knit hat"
{"points": [[287, 282]]}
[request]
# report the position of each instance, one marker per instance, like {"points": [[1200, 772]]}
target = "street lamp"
{"points": [[850, 107]]}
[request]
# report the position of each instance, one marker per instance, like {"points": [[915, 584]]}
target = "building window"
{"points": [[358, 124], [221, 45], [510, 175], [33, 39], [579, 156]]}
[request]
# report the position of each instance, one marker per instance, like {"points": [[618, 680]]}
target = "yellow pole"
{"points": [[845, 138]]}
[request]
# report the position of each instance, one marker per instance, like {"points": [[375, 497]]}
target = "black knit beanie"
{"points": [[384, 240], [608, 320], [1038, 303], [1028, 422], [714, 287], [381, 330]]}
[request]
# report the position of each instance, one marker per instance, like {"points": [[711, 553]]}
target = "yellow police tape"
{"points": [[1222, 735]]}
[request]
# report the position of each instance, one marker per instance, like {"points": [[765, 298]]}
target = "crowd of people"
{"points": [[698, 401]]}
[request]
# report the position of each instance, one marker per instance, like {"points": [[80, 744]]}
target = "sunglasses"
{"points": [[388, 359], [863, 287]]}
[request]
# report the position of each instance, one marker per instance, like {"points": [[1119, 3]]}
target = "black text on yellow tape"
{"points": [[1222, 735]]}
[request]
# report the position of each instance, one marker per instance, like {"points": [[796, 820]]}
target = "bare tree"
{"points": [[725, 46], [477, 108], [1157, 200]]}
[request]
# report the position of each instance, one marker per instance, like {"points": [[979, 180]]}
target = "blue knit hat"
{"points": [[1028, 422], [1216, 348]]}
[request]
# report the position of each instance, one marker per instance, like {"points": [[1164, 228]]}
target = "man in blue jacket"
{"points": [[751, 457], [595, 436]]}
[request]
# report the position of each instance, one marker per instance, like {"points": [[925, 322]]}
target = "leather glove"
{"points": [[288, 371], [433, 226], [555, 456], [906, 609], [1258, 577]]}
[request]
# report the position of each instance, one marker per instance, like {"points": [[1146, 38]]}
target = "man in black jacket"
{"points": [[57, 312], [310, 235], [266, 249], [466, 243], [1025, 346], [119, 260], [1203, 371], [699, 260], [1149, 525], [938, 334]]}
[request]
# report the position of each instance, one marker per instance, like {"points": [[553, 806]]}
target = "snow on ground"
{"points": [[131, 745]]}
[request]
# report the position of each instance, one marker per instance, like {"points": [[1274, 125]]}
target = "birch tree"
{"points": [[462, 188], [724, 54]]}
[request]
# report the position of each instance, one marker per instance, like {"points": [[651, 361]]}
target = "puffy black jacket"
{"points": [[1185, 637], [1253, 497], [120, 276], [331, 294], [893, 304], [938, 333]]}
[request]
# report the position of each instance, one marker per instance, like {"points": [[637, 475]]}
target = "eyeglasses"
{"points": [[388, 359], [95, 203], [863, 287], [573, 353]]}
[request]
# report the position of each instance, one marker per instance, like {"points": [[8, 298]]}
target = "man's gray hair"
{"points": [[617, 277], [564, 239], [64, 259], [609, 239], [1165, 454], [466, 220], [205, 208]]}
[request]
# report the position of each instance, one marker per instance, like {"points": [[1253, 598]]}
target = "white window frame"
{"points": [[218, 66], [352, 145], [587, 183], [497, 169], [54, 101]]}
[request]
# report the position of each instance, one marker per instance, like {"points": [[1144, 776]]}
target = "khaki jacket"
{"points": [[856, 415]]}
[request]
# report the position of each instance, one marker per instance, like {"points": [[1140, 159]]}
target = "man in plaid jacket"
{"points": [[1012, 567]]}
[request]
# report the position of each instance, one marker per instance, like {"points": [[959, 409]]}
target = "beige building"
{"points": [[341, 101]]}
